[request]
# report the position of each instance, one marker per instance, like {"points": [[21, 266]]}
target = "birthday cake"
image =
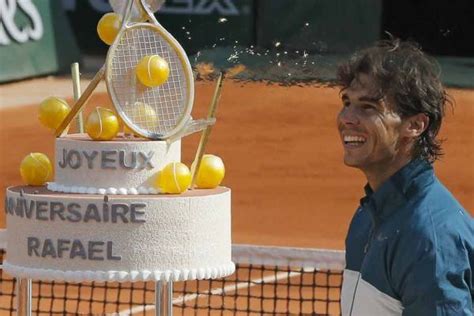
{"points": [[102, 219], [124, 208]]}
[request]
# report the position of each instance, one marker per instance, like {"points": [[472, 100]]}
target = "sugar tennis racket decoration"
{"points": [[130, 9], [171, 101]]}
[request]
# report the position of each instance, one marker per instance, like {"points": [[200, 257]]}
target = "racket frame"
{"points": [[187, 70]]}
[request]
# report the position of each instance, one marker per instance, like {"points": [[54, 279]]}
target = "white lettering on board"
{"points": [[8, 28]]}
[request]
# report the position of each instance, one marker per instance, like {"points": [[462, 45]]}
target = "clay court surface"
{"points": [[282, 154]]}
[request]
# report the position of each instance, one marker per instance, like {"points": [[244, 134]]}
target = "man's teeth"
{"points": [[354, 139]]}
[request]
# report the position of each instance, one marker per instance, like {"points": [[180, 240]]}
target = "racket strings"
{"points": [[168, 101]]}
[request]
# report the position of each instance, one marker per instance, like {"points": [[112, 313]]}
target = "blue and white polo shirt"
{"points": [[409, 249]]}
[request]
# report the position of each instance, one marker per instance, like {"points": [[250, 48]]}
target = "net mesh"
{"points": [[153, 111], [305, 282]]}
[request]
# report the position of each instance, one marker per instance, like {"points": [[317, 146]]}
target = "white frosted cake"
{"points": [[102, 220]]}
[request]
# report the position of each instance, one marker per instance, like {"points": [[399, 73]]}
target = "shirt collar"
{"points": [[406, 182]]}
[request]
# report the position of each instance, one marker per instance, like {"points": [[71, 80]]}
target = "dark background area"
{"points": [[441, 27], [320, 26], [195, 30], [291, 35]]}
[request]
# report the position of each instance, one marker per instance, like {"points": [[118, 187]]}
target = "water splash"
{"points": [[196, 57], [233, 57], [277, 64]]}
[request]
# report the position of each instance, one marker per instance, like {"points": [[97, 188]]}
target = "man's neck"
{"points": [[377, 175]]}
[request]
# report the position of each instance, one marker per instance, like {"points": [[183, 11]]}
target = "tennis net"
{"points": [[267, 281]]}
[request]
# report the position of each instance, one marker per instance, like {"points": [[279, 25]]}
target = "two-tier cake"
{"points": [[102, 219]]}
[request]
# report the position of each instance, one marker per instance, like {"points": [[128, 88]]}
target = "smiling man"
{"points": [[410, 245]]}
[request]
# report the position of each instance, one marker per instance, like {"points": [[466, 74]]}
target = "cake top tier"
{"points": [[121, 166]]}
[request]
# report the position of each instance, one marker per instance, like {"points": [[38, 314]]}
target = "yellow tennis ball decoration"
{"points": [[52, 111], [108, 27], [211, 172], [152, 71], [145, 115], [128, 131], [174, 178], [102, 124], [36, 169]]}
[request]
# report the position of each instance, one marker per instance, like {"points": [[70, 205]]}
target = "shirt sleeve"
{"points": [[436, 279]]}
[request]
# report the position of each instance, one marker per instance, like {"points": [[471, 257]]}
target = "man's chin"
{"points": [[352, 162]]}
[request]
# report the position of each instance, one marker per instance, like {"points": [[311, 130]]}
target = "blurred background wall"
{"points": [[45, 36]]}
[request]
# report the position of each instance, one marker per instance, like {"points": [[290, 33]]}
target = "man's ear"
{"points": [[416, 124]]}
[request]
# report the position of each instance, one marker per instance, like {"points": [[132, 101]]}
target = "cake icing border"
{"points": [[120, 276], [53, 186]]}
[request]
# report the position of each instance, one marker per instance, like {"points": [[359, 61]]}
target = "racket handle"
{"points": [[80, 103], [207, 131], [190, 128], [76, 88]]}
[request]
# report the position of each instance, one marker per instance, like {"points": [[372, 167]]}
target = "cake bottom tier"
{"points": [[79, 237]]}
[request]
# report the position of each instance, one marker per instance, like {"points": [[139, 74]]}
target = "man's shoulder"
{"points": [[438, 196], [436, 209], [436, 219]]}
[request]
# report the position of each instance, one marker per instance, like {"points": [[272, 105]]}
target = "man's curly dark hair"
{"points": [[404, 74]]}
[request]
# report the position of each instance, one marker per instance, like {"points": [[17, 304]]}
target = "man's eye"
{"points": [[346, 104], [368, 107]]}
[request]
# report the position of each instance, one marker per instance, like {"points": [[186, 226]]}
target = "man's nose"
{"points": [[349, 116]]}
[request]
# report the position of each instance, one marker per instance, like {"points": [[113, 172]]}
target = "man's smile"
{"points": [[351, 140]]}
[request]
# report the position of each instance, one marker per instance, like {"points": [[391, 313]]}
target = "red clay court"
{"points": [[282, 154]]}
